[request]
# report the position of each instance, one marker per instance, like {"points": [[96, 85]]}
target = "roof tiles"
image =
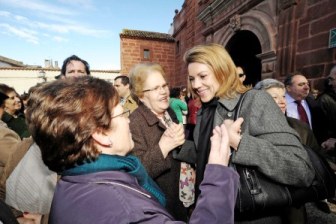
{"points": [[139, 34]]}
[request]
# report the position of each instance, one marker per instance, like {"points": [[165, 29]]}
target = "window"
{"points": [[177, 47], [146, 54]]}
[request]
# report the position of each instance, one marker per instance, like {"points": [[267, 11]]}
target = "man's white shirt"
{"points": [[292, 111]]}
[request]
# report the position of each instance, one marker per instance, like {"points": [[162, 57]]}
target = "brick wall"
{"points": [[313, 57], [303, 39], [301, 31], [187, 32], [132, 52]]}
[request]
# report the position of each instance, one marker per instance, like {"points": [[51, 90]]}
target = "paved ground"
{"points": [[315, 216]]}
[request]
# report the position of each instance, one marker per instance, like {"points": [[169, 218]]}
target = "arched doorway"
{"points": [[243, 48]]}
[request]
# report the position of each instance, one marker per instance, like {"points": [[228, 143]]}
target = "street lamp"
{"points": [[42, 75]]}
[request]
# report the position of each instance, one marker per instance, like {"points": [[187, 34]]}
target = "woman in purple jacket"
{"points": [[83, 135]]}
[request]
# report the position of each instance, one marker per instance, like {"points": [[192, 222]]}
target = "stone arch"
{"points": [[258, 23], [243, 48], [264, 27]]}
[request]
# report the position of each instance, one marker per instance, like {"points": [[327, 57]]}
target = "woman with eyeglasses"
{"points": [[156, 133], [86, 139], [12, 115]]}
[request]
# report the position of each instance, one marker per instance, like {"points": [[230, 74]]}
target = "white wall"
{"points": [[21, 79]]}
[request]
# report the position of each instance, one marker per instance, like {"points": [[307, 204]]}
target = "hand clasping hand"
{"points": [[171, 138], [220, 149], [234, 131]]}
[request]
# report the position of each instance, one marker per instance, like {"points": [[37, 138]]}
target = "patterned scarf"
{"points": [[187, 174], [129, 164]]}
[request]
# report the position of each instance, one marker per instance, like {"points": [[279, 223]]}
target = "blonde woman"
{"points": [[260, 136]]}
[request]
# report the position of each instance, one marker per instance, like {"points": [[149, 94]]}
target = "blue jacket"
{"points": [[116, 197]]}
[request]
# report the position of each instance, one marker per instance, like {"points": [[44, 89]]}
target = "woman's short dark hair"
{"points": [[62, 115], [3, 97], [123, 78], [6, 89]]}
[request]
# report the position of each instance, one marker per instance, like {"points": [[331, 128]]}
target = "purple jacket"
{"points": [[116, 197]]}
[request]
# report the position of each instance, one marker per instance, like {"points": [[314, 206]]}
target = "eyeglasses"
{"points": [[331, 78], [241, 75], [123, 114], [157, 88]]}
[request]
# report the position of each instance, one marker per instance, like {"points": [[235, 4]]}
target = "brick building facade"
{"points": [[142, 46], [269, 38]]}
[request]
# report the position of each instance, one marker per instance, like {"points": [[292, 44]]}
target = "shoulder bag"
{"points": [[258, 194]]}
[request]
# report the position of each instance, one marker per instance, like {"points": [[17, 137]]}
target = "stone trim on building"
{"points": [[146, 35]]}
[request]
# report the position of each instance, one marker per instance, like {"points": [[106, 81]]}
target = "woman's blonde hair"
{"points": [[221, 64], [139, 75]]}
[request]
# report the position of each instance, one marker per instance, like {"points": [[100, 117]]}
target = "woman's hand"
{"points": [[234, 131], [29, 218], [220, 148], [171, 138]]}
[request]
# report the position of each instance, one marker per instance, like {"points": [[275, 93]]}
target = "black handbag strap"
{"points": [[236, 112], [238, 106]]}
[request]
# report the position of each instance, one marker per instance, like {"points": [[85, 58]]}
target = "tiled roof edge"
{"points": [[146, 35]]}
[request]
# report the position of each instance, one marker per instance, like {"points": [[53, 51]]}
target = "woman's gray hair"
{"points": [[269, 83]]}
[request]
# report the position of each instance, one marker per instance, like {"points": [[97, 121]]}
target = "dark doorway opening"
{"points": [[243, 48]]}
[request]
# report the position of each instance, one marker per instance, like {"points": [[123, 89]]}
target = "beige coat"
{"points": [[8, 140], [18, 149], [130, 104]]}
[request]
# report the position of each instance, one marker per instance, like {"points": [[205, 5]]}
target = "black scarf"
{"points": [[203, 147]]}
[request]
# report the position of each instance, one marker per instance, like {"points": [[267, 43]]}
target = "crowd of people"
{"points": [[83, 150]]}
